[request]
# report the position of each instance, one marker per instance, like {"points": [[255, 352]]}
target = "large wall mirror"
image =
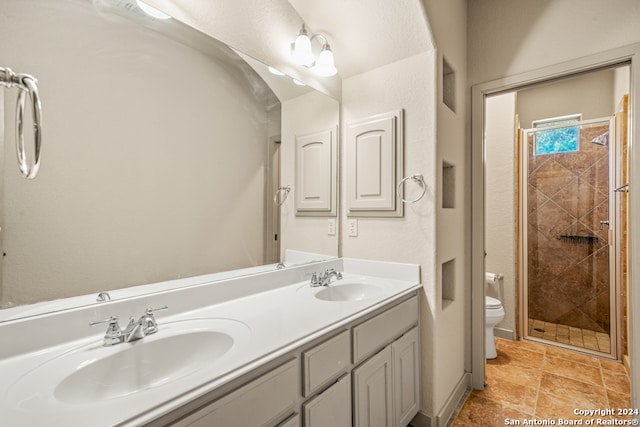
{"points": [[162, 151]]}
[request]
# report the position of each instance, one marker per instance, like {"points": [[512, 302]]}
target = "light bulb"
{"points": [[275, 71], [324, 65], [301, 51], [152, 11]]}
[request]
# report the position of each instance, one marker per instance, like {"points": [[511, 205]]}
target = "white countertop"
{"points": [[276, 321]]}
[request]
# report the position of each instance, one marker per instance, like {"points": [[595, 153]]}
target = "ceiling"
{"points": [[366, 34]]}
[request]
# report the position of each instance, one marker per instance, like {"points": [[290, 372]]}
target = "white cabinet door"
{"points": [[331, 408], [372, 391], [406, 382], [374, 165], [315, 189]]}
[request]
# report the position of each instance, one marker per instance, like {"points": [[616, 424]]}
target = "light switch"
{"points": [[331, 226], [353, 227]]}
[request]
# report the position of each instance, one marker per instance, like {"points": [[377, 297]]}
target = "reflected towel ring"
{"points": [[419, 179], [281, 196], [27, 86]]}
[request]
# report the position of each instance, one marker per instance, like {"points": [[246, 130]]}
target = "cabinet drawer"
{"points": [[375, 333], [325, 362], [258, 403], [330, 408], [292, 421]]}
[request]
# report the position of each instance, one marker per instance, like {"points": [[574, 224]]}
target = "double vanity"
{"points": [[267, 349]]}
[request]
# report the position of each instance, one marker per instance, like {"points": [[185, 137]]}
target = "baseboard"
{"points": [[626, 362], [455, 400], [507, 334]]}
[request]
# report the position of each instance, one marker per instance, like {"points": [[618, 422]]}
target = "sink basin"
{"points": [[143, 365], [93, 373], [348, 292]]}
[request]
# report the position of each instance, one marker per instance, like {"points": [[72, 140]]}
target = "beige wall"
{"points": [[508, 37], [500, 209]]}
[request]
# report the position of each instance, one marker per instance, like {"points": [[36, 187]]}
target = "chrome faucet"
{"points": [[323, 279], [135, 330]]}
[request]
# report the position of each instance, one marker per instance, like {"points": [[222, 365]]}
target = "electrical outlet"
{"points": [[331, 226], [353, 227]]}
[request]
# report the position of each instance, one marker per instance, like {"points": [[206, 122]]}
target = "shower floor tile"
{"points": [[519, 387], [583, 338]]}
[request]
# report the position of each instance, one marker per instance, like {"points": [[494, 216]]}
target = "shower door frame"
{"points": [[614, 294]]}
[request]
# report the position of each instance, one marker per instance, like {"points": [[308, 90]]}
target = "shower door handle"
{"points": [[603, 223]]}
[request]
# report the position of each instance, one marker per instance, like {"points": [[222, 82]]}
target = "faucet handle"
{"points": [[150, 310], [113, 334], [148, 320]]}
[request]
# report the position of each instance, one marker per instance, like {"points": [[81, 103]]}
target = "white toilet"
{"points": [[494, 315]]}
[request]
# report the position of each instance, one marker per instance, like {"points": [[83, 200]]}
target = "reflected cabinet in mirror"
{"points": [[162, 151]]}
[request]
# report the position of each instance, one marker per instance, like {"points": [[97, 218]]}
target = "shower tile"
{"points": [[578, 320], [578, 285], [550, 177], [535, 198], [578, 197], [592, 220], [551, 219], [578, 161]]}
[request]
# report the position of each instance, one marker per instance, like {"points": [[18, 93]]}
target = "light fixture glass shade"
{"points": [[324, 65], [152, 11], [301, 51]]}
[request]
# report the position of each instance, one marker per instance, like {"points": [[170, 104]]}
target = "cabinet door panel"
{"points": [[406, 378], [372, 391], [330, 408]]}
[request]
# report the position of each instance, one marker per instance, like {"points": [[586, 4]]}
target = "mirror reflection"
{"points": [[162, 151]]}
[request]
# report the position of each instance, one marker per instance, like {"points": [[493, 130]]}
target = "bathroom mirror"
{"points": [[162, 149]]}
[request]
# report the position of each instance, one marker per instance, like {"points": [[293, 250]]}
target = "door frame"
{"points": [[623, 55]]}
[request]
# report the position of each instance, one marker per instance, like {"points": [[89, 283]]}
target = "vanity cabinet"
{"points": [[331, 407], [365, 373], [386, 387], [263, 401]]}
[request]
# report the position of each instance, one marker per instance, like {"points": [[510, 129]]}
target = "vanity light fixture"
{"points": [[302, 53], [152, 11]]}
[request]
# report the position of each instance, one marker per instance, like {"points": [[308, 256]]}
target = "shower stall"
{"points": [[567, 216]]}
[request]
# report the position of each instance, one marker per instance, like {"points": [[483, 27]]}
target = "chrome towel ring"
{"points": [[281, 195], [418, 179], [27, 85]]}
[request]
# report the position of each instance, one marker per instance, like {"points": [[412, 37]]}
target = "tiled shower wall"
{"points": [[568, 282]]}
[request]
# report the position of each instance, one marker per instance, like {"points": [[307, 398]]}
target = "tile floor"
{"points": [[583, 338], [530, 381]]}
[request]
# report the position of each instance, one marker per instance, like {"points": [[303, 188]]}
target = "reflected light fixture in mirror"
{"points": [[302, 53], [152, 11]]}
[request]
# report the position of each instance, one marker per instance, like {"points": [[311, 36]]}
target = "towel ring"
{"points": [[281, 193], [419, 179], [27, 86]]}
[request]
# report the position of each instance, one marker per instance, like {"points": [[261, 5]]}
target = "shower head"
{"points": [[602, 139]]}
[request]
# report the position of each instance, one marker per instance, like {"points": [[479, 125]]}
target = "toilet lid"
{"points": [[492, 302]]}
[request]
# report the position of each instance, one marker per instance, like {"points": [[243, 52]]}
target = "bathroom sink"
{"points": [[94, 373], [353, 291]]}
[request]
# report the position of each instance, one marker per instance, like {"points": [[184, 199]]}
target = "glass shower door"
{"points": [[568, 291]]}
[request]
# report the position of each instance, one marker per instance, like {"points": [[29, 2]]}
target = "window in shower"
{"points": [[559, 138]]}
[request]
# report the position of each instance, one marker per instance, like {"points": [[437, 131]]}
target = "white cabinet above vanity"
{"points": [[282, 352]]}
